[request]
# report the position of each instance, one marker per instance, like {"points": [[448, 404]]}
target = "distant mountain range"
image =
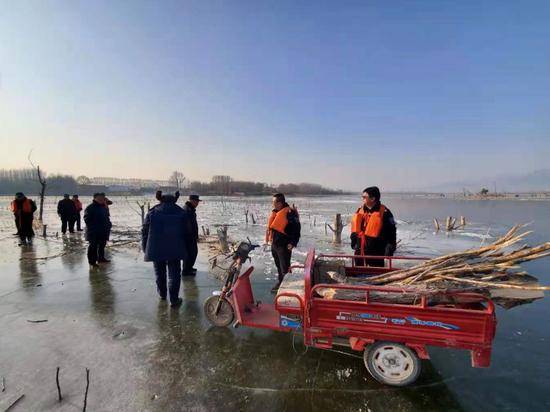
{"points": [[536, 181]]}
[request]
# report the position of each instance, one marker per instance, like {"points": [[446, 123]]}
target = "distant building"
{"points": [[221, 179], [128, 183], [88, 190]]}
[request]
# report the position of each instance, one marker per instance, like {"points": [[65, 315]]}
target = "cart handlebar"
{"points": [[374, 257], [360, 257], [244, 249], [290, 295]]}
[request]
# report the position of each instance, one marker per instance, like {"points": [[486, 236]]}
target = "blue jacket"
{"points": [[98, 222], [163, 233]]}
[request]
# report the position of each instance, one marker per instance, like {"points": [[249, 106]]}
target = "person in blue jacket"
{"points": [[98, 227], [163, 241]]}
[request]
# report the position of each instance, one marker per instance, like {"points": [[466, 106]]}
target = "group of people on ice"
{"points": [[170, 233]]}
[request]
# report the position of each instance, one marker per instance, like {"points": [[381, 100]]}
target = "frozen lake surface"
{"points": [[144, 356]]}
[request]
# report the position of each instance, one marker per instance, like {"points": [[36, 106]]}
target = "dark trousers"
{"points": [[96, 251], [78, 222], [369, 262], [281, 256], [191, 258], [24, 228], [174, 279], [67, 221]]}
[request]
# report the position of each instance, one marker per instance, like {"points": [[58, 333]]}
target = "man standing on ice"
{"points": [[163, 242], [23, 210], [78, 205], [66, 209], [283, 233], [192, 235], [98, 228], [373, 231]]}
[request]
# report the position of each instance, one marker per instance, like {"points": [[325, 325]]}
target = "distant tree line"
{"points": [[237, 187], [25, 180]]}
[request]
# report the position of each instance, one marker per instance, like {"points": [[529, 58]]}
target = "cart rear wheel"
{"points": [[225, 315], [392, 363]]}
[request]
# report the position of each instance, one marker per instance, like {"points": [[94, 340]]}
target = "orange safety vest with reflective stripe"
{"points": [[277, 221], [25, 208], [367, 224]]}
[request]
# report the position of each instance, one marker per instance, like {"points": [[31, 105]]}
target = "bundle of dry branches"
{"points": [[491, 270]]}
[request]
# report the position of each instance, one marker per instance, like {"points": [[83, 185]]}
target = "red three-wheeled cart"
{"points": [[392, 335]]}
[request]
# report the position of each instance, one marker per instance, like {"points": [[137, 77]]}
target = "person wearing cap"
{"points": [[283, 233], [78, 205], [192, 235], [23, 210], [163, 242], [98, 228], [66, 209], [373, 231]]}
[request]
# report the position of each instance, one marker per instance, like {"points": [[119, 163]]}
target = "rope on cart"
{"points": [[345, 353], [294, 334]]}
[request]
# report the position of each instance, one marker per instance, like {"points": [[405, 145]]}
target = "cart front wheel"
{"points": [[392, 363], [225, 315]]}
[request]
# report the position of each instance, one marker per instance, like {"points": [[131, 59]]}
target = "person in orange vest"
{"points": [[373, 231], [283, 233], [23, 210], [78, 205]]}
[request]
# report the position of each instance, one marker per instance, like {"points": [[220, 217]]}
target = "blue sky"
{"points": [[347, 94]]}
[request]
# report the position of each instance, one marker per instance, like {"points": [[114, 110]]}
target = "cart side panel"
{"points": [[446, 327]]}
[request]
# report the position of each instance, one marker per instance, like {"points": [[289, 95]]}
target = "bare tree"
{"points": [[177, 179], [42, 180]]}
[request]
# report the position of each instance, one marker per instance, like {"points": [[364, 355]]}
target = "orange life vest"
{"points": [[78, 204], [277, 221], [367, 224], [26, 207]]}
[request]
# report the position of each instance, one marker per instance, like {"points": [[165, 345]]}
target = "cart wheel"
{"points": [[225, 315], [392, 363]]}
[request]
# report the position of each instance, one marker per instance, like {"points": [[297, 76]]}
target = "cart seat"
{"points": [[292, 283]]}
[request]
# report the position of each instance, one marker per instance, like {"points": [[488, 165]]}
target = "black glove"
{"points": [[389, 250], [354, 242]]}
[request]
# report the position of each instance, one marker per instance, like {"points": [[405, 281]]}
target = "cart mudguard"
{"points": [[359, 344], [420, 350], [241, 294]]}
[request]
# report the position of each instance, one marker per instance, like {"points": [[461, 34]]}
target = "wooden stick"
{"points": [[58, 387], [493, 285], [87, 386], [15, 402]]}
